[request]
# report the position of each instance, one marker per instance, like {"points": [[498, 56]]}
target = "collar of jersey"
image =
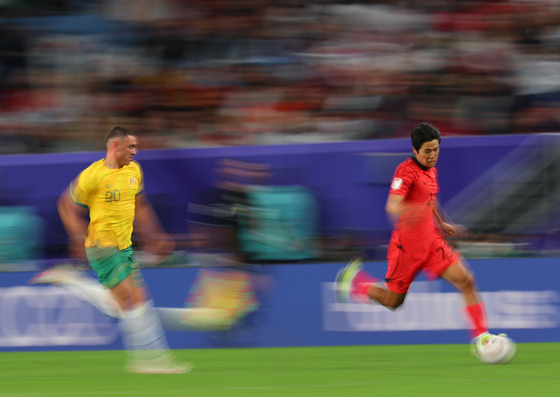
{"points": [[418, 164]]}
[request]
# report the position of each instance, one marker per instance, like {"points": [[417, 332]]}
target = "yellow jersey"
{"points": [[110, 196]]}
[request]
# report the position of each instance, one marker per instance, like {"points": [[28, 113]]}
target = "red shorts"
{"points": [[404, 265]]}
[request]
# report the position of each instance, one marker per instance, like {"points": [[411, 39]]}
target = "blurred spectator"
{"points": [[21, 234], [217, 220], [205, 73]]}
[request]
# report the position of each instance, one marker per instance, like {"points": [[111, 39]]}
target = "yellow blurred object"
{"points": [[220, 297]]}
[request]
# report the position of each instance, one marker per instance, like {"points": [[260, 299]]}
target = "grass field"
{"points": [[391, 371]]}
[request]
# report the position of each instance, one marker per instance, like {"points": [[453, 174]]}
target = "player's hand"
{"points": [[77, 249], [454, 230], [160, 244]]}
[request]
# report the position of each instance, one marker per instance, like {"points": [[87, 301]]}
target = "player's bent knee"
{"points": [[393, 302], [385, 297], [394, 305], [467, 282]]}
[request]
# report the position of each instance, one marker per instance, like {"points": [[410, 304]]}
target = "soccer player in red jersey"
{"points": [[417, 241]]}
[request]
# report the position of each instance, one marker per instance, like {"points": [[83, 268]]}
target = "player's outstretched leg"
{"points": [[352, 282], [91, 291], [82, 286]]}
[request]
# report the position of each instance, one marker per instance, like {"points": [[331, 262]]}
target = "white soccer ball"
{"points": [[495, 349]]}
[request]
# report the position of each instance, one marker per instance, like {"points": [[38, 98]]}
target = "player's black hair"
{"points": [[424, 132], [118, 132]]}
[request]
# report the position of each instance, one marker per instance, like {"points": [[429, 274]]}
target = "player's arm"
{"points": [[395, 206], [151, 235], [73, 217], [447, 227], [399, 209]]}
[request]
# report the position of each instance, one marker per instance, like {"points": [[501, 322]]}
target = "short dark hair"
{"points": [[424, 132], [118, 132]]}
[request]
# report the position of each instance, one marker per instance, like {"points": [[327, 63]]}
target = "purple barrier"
{"points": [[348, 179]]}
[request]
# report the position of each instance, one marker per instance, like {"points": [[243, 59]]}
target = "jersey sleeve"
{"points": [[402, 181], [80, 189], [140, 176]]}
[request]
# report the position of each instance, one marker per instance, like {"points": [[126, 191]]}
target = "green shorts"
{"points": [[112, 265]]}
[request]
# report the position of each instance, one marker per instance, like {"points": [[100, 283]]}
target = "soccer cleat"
{"points": [[350, 281], [479, 339], [493, 349], [157, 367], [55, 275]]}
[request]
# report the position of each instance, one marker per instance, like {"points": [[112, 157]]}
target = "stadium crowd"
{"points": [[202, 73]]}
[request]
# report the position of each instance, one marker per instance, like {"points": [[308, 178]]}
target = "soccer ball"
{"points": [[495, 349]]}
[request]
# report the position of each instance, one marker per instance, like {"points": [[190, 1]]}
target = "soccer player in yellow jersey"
{"points": [[112, 191]]}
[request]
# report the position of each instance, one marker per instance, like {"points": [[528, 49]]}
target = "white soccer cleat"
{"points": [[55, 275], [157, 367], [475, 342], [494, 349]]}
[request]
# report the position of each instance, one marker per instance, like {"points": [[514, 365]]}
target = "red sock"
{"points": [[361, 283], [477, 315]]}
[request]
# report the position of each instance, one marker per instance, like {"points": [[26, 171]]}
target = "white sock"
{"points": [[143, 335]]}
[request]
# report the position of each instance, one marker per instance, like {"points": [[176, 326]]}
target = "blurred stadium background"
{"points": [[188, 73]]}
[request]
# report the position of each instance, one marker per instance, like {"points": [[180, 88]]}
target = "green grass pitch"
{"points": [[407, 370]]}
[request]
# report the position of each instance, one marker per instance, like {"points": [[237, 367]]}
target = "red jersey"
{"points": [[419, 187]]}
